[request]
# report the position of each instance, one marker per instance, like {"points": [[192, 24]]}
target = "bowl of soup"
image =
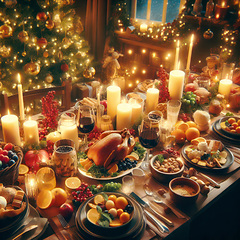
{"points": [[184, 190]]}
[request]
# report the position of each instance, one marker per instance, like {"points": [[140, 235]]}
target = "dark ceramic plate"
{"points": [[219, 131], [233, 135], [229, 162], [132, 230]]}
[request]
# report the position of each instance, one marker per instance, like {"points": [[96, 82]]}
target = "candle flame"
{"points": [[192, 38], [178, 44], [227, 76], [178, 65], [19, 78], [8, 112], [223, 4], [29, 119]]}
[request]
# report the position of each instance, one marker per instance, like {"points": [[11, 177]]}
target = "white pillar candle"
{"points": [[20, 98], [190, 53], [225, 87], [69, 130], [152, 99], [53, 136], [124, 116], [136, 110], [143, 27], [113, 99], [176, 83], [31, 135], [176, 65], [10, 129]]}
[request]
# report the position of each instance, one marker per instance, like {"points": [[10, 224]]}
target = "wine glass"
{"points": [[86, 120], [148, 137]]}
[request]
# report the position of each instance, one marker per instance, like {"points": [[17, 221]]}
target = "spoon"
{"points": [[148, 190]]}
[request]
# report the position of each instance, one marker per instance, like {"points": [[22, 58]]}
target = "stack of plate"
{"points": [[223, 133], [133, 230]]}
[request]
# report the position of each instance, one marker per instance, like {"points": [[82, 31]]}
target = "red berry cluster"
{"points": [[42, 133], [185, 117], [162, 74], [162, 86], [82, 193], [170, 152], [94, 134], [50, 110], [132, 132], [49, 148]]}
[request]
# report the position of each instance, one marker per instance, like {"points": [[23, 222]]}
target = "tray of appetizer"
{"points": [[146, 84], [209, 155], [114, 155]]}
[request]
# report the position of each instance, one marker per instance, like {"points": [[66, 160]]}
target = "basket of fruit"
{"points": [[10, 159]]}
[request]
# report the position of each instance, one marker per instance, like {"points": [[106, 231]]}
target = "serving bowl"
{"points": [[184, 190], [224, 126], [164, 176]]}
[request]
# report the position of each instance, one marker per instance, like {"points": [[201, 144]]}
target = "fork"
{"points": [[63, 222], [148, 190]]}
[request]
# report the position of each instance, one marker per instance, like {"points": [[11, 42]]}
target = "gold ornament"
{"points": [[66, 42], [42, 42], [4, 51], [49, 78], [24, 54], [49, 24], [57, 20], [60, 55], [32, 68], [23, 36], [92, 70], [45, 54], [208, 34], [5, 31], [78, 55], [87, 73], [10, 3]]}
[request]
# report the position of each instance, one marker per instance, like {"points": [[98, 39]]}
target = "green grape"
{"points": [[188, 102]]}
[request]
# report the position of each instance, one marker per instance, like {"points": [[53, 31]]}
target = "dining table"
{"points": [[212, 216]]}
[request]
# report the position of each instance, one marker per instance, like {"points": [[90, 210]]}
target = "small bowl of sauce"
{"points": [[184, 190]]}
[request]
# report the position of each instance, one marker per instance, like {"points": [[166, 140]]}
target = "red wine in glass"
{"points": [[86, 124], [149, 138]]}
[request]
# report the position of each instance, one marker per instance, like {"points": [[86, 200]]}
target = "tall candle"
{"points": [[31, 135], [20, 98], [176, 65], [176, 83], [225, 87], [136, 110], [10, 129], [164, 12], [113, 99], [152, 99], [124, 116], [190, 53]]}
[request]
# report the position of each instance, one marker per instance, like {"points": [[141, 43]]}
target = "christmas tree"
{"points": [[43, 41]]}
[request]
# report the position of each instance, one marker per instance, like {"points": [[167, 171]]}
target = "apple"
{"points": [[66, 210], [34, 157], [8, 146], [191, 87]]}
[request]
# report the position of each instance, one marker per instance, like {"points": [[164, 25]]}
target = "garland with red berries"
{"points": [[162, 85]]}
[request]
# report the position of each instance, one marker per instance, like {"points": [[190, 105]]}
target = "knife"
{"points": [[146, 205], [26, 230], [214, 183]]}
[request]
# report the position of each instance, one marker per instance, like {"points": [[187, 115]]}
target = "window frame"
{"points": [[164, 11]]}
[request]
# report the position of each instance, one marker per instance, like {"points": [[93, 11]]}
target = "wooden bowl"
{"points": [[184, 190], [162, 176]]}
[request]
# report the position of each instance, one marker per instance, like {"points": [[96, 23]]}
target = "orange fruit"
{"points": [[98, 199], [115, 223], [235, 125], [121, 202], [183, 126], [192, 133], [113, 169], [124, 217], [112, 197], [197, 140], [238, 129], [60, 196], [178, 123], [191, 124], [93, 215], [45, 199], [72, 183], [238, 122], [231, 120], [233, 131], [23, 169], [179, 135], [119, 212]]}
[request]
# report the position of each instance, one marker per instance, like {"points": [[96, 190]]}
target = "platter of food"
{"points": [[114, 155], [125, 220], [209, 155], [146, 84], [231, 126], [216, 127]]}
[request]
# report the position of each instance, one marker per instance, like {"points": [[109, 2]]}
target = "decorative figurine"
{"points": [[209, 9]]}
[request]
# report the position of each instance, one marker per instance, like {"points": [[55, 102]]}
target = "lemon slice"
{"points": [[93, 215], [98, 199], [23, 169], [72, 183]]}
